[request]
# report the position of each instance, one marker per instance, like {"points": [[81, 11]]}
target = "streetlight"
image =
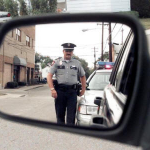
{"points": [[84, 30]]}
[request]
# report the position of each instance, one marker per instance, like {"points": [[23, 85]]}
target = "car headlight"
{"points": [[82, 109], [92, 110]]}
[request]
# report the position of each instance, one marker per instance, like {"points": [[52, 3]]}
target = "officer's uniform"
{"points": [[67, 72]]}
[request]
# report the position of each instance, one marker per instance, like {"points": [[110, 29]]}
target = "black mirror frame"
{"points": [[131, 126]]}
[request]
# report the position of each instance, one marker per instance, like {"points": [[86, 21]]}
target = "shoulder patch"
{"points": [[53, 63]]}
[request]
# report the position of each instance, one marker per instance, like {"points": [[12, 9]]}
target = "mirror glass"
{"points": [[28, 53]]}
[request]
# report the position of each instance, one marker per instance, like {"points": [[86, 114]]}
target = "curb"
{"points": [[33, 88]]}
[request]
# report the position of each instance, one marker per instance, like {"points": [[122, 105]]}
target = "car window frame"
{"points": [[118, 60], [123, 63]]}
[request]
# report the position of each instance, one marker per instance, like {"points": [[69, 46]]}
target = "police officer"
{"points": [[66, 70]]}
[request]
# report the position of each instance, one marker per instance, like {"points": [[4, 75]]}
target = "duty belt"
{"points": [[64, 87]]}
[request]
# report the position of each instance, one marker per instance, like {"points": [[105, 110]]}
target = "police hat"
{"points": [[68, 46]]}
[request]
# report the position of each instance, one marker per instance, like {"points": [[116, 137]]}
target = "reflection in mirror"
{"points": [[28, 54]]}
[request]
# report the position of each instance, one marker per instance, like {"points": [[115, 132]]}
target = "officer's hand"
{"points": [[82, 92], [54, 94]]}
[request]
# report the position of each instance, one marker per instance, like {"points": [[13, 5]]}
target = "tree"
{"points": [[2, 7], [12, 7], [53, 5], [142, 6], [43, 6], [23, 8], [37, 57], [44, 60], [105, 57]]}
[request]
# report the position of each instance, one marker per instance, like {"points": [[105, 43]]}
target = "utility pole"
{"points": [[110, 44], [95, 58], [102, 41], [102, 46]]}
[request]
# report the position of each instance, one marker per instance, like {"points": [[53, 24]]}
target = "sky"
{"points": [[86, 37]]}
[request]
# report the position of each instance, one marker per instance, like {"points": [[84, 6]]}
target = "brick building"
{"points": [[17, 56]]}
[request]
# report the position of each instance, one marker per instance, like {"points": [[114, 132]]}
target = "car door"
{"points": [[115, 94]]}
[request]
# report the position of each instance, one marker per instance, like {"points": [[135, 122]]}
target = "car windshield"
{"points": [[99, 81]]}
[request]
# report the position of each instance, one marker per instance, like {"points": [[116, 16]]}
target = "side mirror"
{"points": [[127, 128], [97, 101]]}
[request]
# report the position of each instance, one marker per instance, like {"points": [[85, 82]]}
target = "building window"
{"points": [[28, 41], [18, 35]]}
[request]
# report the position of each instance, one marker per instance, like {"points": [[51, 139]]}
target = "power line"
{"points": [[109, 35], [117, 32]]}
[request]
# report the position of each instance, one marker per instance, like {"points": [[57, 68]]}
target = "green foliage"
{"points": [[38, 7], [43, 6], [44, 60], [52, 5], [23, 8], [105, 57], [43, 65], [145, 22], [133, 13], [142, 6], [12, 7], [2, 7]]}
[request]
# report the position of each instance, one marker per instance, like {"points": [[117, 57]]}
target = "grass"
{"points": [[145, 22]]}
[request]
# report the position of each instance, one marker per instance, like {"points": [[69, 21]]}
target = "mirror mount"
{"points": [[97, 101]]}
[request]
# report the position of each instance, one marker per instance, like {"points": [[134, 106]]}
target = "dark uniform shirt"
{"points": [[67, 71]]}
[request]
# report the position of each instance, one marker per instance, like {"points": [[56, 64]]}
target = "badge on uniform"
{"points": [[73, 67], [61, 67]]}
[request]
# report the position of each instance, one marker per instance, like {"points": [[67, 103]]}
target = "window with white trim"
{"points": [[18, 35], [28, 41]]}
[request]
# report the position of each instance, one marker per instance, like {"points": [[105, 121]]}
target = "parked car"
{"points": [[96, 84], [43, 81], [4, 16]]}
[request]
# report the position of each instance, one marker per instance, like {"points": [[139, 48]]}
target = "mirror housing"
{"points": [[130, 128]]}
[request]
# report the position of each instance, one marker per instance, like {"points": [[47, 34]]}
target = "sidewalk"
{"points": [[29, 87], [20, 88]]}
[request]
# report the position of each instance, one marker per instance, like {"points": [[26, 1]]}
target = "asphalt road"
{"points": [[37, 103]]}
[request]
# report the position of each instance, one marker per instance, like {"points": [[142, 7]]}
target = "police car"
{"points": [[104, 65], [95, 86]]}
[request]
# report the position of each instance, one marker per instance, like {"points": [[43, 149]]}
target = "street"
{"points": [[33, 102], [37, 103]]}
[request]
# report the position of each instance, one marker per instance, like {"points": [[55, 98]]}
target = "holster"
{"points": [[55, 83], [79, 87]]}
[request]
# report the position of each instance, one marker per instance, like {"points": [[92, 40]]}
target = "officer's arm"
{"points": [[51, 86], [83, 82], [50, 80]]}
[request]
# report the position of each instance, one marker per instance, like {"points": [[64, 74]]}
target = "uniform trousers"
{"points": [[66, 101]]}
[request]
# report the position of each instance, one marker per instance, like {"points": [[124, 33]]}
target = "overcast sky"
{"points": [[49, 39]]}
